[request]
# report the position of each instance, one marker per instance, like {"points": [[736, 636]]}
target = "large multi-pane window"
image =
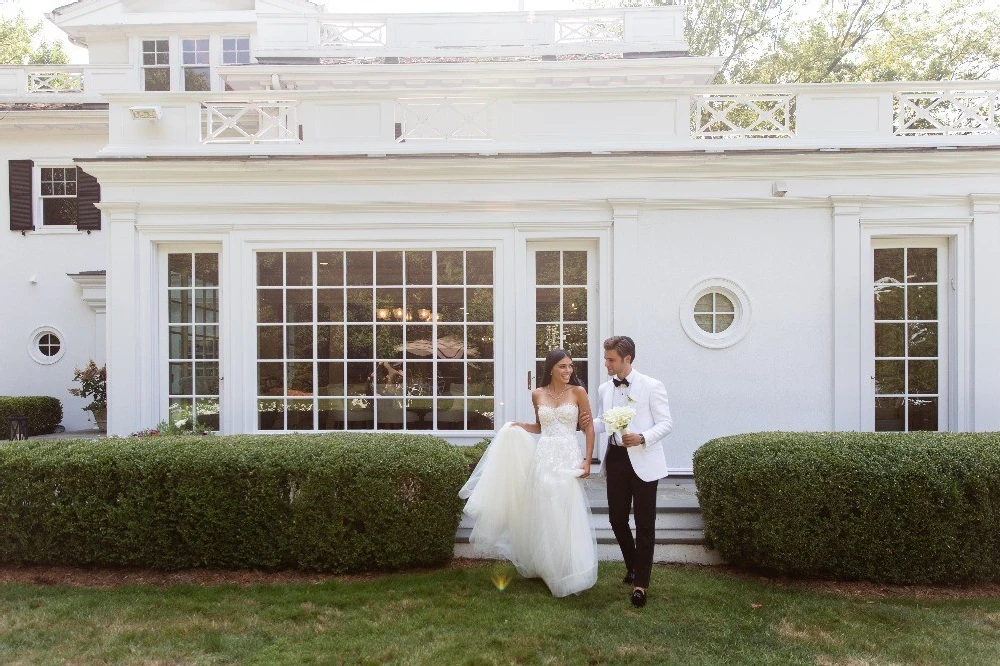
{"points": [[908, 333], [193, 339], [561, 278], [375, 340], [155, 64], [195, 61]]}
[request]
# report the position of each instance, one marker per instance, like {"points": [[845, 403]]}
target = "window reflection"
{"points": [[387, 340], [193, 345], [906, 338]]}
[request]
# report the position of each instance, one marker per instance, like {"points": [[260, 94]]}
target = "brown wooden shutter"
{"points": [[21, 204], [88, 192]]}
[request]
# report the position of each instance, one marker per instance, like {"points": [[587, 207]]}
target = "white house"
{"points": [[312, 221]]}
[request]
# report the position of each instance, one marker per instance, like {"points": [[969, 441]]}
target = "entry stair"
{"points": [[679, 528]]}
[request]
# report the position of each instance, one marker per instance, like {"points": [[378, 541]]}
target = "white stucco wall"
{"points": [[37, 291], [778, 377], [781, 250]]}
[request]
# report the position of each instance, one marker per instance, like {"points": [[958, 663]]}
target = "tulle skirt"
{"points": [[529, 507]]}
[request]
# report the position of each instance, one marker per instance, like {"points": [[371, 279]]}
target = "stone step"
{"points": [[679, 536], [672, 546], [606, 536], [665, 520]]}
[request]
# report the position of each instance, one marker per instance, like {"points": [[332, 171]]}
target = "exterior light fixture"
{"points": [[152, 113]]}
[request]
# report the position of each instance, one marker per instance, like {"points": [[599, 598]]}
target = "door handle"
{"points": [[529, 380]]}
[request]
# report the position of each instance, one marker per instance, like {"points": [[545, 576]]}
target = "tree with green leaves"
{"points": [[18, 44], [790, 41]]}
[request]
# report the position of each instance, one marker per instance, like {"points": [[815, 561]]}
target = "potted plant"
{"points": [[93, 382]]}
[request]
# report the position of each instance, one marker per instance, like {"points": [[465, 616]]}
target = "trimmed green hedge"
{"points": [[338, 503], [44, 413], [905, 508]]}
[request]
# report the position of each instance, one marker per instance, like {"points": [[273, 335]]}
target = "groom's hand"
{"points": [[585, 420], [631, 439]]}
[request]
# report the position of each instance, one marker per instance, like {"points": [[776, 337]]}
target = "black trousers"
{"points": [[628, 493]]}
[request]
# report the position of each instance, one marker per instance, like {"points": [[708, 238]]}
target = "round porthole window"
{"points": [[716, 313], [46, 345]]}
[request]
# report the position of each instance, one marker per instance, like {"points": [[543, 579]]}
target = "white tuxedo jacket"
{"points": [[652, 420]]}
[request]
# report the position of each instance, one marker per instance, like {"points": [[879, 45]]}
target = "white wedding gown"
{"points": [[529, 504]]}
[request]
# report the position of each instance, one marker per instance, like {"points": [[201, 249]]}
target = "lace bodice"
{"points": [[558, 421]]}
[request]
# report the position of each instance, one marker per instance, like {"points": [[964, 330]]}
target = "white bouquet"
{"points": [[618, 418]]}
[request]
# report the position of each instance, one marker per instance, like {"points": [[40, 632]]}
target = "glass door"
{"points": [[910, 377], [562, 311]]}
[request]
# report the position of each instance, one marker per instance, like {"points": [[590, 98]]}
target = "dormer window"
{"points": [[195, 63], [156, 64]]}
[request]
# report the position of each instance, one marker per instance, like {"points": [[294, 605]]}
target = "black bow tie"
{"points": [[619, 382]]}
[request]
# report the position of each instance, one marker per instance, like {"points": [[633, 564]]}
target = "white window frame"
{"points": [[34, 340], [236, 51], [594, 237], [170, 66], [594, 351], [741, 315], [37, 199], [956, 392], [161, 319], [206, 65], [386, 240], [944, 320]]}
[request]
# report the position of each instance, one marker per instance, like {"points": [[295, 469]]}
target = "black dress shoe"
{"points": [[638, 598], [629, 578]]}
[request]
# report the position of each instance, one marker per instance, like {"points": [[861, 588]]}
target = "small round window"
{"points": [[46, 345], [716, 313]]}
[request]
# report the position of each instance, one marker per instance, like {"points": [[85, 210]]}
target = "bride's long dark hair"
{"points": [[551, 359]]}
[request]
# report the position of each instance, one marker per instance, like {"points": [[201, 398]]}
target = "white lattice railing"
{"points": [[353, 33], [509, 120], [251, 122], [445, 118], [589, 29], [947, 112], [55, 82], [486, 34], [756, 116]]}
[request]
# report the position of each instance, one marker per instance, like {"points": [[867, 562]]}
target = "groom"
{"points": [[633, 462]]}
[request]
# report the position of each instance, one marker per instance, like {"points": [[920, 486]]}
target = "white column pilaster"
{"points": [[985, 362], [847, 305], [626, 275], [123, 348]]}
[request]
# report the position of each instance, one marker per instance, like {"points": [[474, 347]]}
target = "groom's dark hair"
{"points": [[624, 345]]}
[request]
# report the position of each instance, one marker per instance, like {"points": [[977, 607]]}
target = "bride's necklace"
{"points": [[556, 396]]}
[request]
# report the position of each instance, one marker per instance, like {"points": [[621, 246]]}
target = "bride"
{"points": [[527, 499]]}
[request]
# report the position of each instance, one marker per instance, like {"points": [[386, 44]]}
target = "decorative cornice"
{"points": [[984, 204], [562, 167], [94, 287], [597, 74], [93, 121], [119, 211]]}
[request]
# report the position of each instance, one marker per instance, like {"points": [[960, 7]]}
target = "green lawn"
{"points": [[457, 616]]}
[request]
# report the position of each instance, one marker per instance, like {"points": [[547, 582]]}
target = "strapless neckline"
{"points": [[555, 409]]}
